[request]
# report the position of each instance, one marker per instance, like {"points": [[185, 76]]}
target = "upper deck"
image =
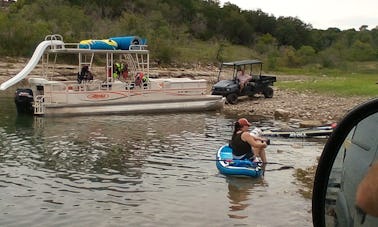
{"points": [[77, 48]]}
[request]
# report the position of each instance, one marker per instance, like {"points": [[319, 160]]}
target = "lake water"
{"points": [[141, 170]]}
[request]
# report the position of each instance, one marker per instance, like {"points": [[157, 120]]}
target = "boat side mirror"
{"points": [[346, 158]]}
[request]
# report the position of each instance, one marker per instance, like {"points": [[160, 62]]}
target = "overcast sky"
{"points": [[321, 14]]}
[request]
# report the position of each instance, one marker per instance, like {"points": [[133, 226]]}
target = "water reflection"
{"points": [[62, 164], [140, 170], [240, 193], [24, 121], [92, 144]]}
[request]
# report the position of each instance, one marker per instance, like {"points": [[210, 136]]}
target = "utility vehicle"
{"points": [[228, 84]]}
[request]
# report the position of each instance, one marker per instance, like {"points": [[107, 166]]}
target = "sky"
{"points": [[321, 14]]}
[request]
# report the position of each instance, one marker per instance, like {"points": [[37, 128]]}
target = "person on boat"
{"points": [[84, 74], [243, 78], [118, 70], [125, 72], [141, 79], [246, 146]]}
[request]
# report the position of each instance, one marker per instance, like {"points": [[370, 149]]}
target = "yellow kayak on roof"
{"points": [[103, 44]]}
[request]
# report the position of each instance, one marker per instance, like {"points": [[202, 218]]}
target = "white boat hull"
{"points": [[207, 103]]}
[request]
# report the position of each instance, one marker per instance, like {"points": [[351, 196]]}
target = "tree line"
{"points": [[284, 40]]}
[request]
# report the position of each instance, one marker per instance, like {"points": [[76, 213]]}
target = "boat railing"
{"points": [[63, 92], [138, 47], [94, 85], [76, 46], [59, 92], [73, 46], [54, 37], [88, 48]]}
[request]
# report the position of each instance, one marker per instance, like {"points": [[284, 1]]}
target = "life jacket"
{"points": [[117, 70]]}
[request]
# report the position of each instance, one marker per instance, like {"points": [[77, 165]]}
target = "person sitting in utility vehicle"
{"points": [[243, 78]]}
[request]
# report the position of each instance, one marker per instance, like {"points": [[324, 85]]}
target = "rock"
{"points": [[310, 123], [296, 145], [280, 114]]}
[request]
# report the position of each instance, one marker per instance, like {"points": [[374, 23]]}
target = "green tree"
{"points": [[292, 31], [261, 22], [306, 54], [361, 51], [170, 23], [289, 56], [266, 44]]}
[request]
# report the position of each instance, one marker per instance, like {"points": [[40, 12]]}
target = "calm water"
{"points": [[142, 170]]}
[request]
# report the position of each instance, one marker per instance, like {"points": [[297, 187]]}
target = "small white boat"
{"points": [[131, 92]]}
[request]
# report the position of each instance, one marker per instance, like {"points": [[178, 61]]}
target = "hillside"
{"points": [[186, 31]]}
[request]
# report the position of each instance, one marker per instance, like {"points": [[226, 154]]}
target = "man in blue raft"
{"points": [[247, 146]]}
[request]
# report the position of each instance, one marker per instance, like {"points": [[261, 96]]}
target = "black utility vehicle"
{"points": [[228, 86]]}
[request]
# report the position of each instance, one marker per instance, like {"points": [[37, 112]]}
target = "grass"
{"points": [[353, 84], [350, 79]]}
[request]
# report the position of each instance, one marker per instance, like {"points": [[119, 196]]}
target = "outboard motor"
{"points": [[24, 100]]}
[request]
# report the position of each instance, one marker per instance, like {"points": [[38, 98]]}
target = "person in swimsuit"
{"points": [[242, 143]]}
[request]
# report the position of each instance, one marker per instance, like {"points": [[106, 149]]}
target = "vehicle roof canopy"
{"points": [[242, 62]]}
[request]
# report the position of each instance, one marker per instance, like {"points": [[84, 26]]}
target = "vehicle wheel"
{"points": [[268, 92], [232, 98]]}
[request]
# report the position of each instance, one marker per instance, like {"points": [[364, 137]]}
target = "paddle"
{"points": [[281, 168], [273, 163], [284, 166], [295, 144]]}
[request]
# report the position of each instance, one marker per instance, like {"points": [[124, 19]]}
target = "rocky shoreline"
{"points": [[289, 105], [286, 105], [306, 108]]}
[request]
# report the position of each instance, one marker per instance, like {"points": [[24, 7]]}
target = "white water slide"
{"points": [[38, 53]]}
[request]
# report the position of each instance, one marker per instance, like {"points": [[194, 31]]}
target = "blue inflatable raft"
{"points": [[124, 42], [229, 166]]}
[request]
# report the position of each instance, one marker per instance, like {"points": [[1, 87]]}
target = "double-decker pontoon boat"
{"points": [[107, 92]]}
